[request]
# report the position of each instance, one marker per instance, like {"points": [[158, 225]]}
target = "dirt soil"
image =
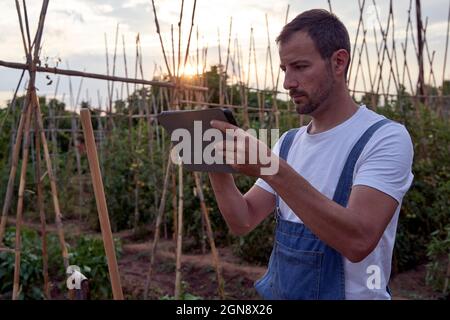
{"points": [[199, 276]]}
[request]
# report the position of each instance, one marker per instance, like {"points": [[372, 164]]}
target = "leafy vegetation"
{"points": [[87, 253]]}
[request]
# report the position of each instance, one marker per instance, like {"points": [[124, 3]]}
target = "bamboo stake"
{"points": [[173, 48], [160, 39], [26, 48], [224, 78], [210, 233], [179, 234], [31, 83], [162, 205], [20, 204], [446, 47], [130, 112], [18, 243], [109, 108], [138, 142], [75, 142], [179, 39], [430, 57], [27, 27], [148, 118], [279, 69], [14, 164], [15, 65], [420, 42], [40, 206], [114, 62], [198, 60], [102, 208], [52, 112], [174, 206], [405, 61], [361, 13], [260, 98], [442, 88], [274, 88], [190, 33], [221, 97], [54, 191]]}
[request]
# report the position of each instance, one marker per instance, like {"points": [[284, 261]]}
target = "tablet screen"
{"points": [[193, 137]]}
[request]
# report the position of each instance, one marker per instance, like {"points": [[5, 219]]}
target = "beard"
{"points": [[313, 101]]}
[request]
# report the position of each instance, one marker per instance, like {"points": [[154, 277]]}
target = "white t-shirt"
{"points": [[384, 164]]}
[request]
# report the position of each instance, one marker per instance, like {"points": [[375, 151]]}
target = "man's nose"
{"points": [[289, 82]]}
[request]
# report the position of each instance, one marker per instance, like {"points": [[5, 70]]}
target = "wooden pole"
{"points": [[160, 39], [23, 173], [52, 113], [13, 171], [214, 252], [179, 41], [75, 73], [75, 143], [190, 33], [221, 97], [102, 208], [179, 234], [58, 216], [443, 83], [28, 98], [40, 206], [162, 205], [174, 206], [421, 80]]}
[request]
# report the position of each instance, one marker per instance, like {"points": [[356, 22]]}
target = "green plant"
{"points": [[438, 252], [31, 277], [184, 295], [88, 253]]}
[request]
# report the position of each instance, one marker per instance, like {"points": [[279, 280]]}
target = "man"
{"points": [[340, 182]]}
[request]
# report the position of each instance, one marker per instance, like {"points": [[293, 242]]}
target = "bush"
{"points": [[87, 253], [438, 252]]}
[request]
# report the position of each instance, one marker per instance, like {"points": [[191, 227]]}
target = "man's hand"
{"points": [[244, 152]]}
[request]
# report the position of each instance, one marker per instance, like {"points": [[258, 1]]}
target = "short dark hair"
{"points": [[325, 29]]}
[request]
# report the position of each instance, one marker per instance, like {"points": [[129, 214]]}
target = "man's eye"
{"points": [[301, 67]]}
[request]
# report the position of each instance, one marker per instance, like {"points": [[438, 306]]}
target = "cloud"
{"points": [[134, 3], [104, 8], [75, 16]]}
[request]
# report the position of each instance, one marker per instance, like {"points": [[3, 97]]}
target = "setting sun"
{"points": [[189, 71]]}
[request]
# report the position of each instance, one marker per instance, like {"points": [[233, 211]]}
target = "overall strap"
{"points": [[284, 150], [345, 183]]}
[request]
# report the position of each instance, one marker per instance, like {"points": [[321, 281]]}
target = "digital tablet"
{"points": [[189, 131]]}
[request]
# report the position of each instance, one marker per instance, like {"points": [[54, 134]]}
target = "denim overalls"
{"points": [[301, 266]]}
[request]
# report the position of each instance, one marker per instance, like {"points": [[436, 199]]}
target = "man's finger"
{"points": [[222, 125]]}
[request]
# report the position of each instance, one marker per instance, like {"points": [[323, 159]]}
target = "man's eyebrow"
{"points": [[298, 61], [294, 62]]}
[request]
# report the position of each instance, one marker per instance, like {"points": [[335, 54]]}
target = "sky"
{"points": [[75, 33]]}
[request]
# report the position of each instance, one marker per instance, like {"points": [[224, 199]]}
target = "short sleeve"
{"points": [[276, 150], [386, 162]]}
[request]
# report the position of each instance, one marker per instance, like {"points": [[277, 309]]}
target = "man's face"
{"points": [[308, 77]]}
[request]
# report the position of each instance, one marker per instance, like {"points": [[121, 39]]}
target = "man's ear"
{"points": [[340, 60]]}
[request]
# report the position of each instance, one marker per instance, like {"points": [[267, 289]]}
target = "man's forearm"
{"points": [[230, 201], [337, 226]]}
